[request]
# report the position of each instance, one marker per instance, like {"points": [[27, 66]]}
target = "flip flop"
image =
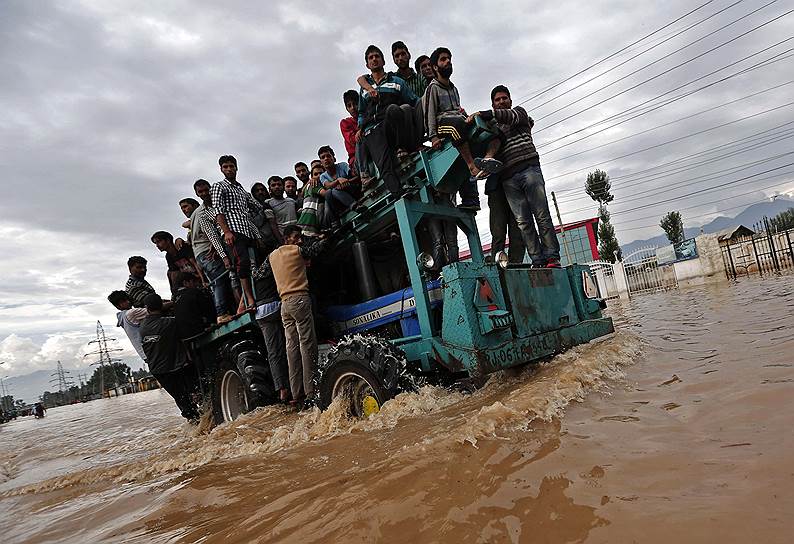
{"points": [[487, 164]]}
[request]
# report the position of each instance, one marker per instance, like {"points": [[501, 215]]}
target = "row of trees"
{"points": [[782, 221], [599, 188], [111, 375]]}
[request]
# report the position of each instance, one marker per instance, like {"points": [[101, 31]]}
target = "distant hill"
{"points": [[30, 386], [750, 215]]}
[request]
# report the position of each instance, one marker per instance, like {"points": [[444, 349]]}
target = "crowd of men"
{"points": [[283, 222]]}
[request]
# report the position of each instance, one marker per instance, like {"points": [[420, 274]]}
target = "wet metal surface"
{"points": [[676, 429]]}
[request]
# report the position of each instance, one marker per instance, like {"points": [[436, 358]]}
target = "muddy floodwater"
{"points": [[676, 429]]}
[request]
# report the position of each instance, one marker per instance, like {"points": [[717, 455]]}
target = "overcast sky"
{"points": [[112, 109]]}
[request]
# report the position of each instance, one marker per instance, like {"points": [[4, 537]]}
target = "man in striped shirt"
{"points": [[137, 287], [522, 178], [234, 207]]}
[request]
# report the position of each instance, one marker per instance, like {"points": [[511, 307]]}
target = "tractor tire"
{"points": [[368, 370], [230, 396]]}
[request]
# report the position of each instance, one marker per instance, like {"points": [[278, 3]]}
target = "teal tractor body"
{"points": [[386, 315]]}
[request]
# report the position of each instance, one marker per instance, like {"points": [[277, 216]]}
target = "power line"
{"points": [[649, 49], [650, 108], [690, 135], [659, 74], [547, 89], [741, 142], [708, 177], [700, 191], [678, 170], [776, 185], [657, 126]]}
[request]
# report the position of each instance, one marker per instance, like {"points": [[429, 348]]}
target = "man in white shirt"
{"points": [[129, 319]]}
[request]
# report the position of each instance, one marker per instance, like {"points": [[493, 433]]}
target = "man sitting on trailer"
{"points": [[445, 118], [167, 358], [287, 264], [386, 120], [522, 178], [342, 188]]}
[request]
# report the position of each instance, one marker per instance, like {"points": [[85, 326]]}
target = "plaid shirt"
{"points": [[237, 206], [210, 228]]}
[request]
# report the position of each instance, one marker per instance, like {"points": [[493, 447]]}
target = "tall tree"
{"points": [[783, 221], [599, 188], [115, 373], [673, 227]]}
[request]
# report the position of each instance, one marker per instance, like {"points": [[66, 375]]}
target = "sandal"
{"points": [[489, 165]]}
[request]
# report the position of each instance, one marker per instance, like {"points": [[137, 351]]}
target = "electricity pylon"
{"points": [[103, 352]]}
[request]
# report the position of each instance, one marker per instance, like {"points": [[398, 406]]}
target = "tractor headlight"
{"points": [[425, 260], [502, 260]]}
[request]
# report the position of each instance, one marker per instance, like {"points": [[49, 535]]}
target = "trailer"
{"points": [[390, 315]]}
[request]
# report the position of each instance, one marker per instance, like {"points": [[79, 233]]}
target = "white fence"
{"points": [[638, 273]]}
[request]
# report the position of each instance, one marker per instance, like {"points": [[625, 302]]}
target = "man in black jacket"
{"points": [[194, 310], [167, 359]]}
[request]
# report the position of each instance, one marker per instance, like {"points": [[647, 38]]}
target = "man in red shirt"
{"points": [[349, 127]]}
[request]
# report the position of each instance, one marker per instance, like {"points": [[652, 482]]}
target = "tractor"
{"points": [[389, 316]]}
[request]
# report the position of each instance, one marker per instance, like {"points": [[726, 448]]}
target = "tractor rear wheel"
{"points": [[230, 398]]}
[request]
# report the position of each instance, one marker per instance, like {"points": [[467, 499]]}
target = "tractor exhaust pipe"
{"points": [[364, 274]]}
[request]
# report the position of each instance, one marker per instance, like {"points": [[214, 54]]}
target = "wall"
{"points": [[710, 258]]}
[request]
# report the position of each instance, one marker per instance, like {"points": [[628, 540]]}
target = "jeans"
{"points": [[273, 332], [399, 129], [339, 200], [469, 193], [526, 194], [503, 225], [219, 282]]}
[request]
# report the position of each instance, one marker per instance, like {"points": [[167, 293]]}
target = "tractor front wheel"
{"points": [[365, 371]]}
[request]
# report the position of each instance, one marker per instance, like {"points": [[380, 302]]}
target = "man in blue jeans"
{"points": [[210, 252], [522, 178]]}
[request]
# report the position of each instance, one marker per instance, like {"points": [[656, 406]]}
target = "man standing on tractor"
{"points": [[522, 178], [234, 207], [287, 264]]}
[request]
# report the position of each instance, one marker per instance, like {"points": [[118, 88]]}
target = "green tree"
{"points": [[141, 373], [673, 227], [598, 187], [783, 221], [115, 373]]}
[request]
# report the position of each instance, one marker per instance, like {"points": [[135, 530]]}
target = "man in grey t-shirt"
{"points": [[283, 207]]}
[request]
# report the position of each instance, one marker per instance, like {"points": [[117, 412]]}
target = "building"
{"points": [[581, 241]]}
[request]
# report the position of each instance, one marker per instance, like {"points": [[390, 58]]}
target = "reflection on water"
{"points": [[674, 429]]}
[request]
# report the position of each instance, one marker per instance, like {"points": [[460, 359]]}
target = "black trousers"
{"points": [[181, 384], [398, 130]]}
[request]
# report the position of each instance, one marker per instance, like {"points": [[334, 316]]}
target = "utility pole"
{"points": [[63, 380], [4, 393], [103, 352], [562, 229]]}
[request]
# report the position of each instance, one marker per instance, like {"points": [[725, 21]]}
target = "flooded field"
{"points": [[676, 429]]}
